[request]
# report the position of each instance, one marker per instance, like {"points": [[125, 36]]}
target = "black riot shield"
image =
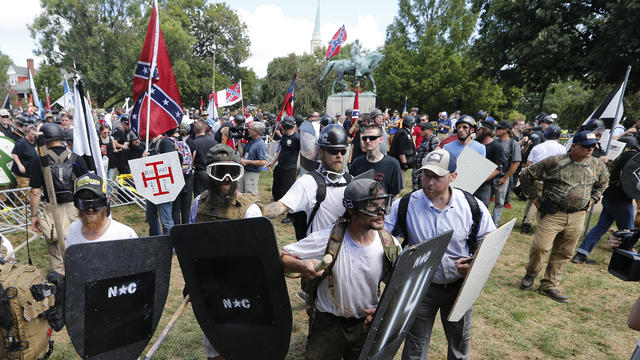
{"points": [[409, 282], [115, 293], [631, 177], [233, 273]]}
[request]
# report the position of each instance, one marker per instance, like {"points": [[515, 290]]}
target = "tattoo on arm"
{"points": [[274, 210]]}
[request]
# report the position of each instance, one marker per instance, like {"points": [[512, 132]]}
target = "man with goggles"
{"points": [[222, 200], [90, 198], [347, 294]]}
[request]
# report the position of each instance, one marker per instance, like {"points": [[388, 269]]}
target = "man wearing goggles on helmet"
{"points": [[346, 296], [222, 200], [90, 198]]}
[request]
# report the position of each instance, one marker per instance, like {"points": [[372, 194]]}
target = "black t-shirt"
{"points": [[402, 144], [614, 192], [357, 148], [289, 149], [6, 131], [386, 171], [26, 152], [120, 135], [37, 178], [495, 153], [202, 145]]}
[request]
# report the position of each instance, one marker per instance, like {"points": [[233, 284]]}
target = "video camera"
{"points": [[625, 262], [240, 131]]}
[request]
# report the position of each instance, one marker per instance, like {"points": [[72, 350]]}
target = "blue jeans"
{"points": [[500, 194], [620, 212], [162, 212]]}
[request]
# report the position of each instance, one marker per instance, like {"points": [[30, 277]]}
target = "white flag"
{"points": [[85, 137]]}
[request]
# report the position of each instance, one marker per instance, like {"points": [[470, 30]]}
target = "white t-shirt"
{"points": [[545, 150], [116, 231], [302, 197], [356, 273]]}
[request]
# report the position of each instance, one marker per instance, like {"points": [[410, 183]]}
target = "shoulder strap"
{"points": [[321, 194], [59, 158], [401, 219], [348, 177], [476, 217]]}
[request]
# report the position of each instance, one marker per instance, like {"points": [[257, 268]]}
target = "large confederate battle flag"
{"points": [[287, 106], [336, 41], [166, 107]]}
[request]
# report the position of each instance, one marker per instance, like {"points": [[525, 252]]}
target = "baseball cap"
{"points": [[221, 152], [4, 112], [92, 183], [426, 126], [488, 124], [440, 161], [504, 124], [585, 138]]}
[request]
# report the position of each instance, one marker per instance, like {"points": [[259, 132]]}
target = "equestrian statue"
{"points": [[360, 66]]}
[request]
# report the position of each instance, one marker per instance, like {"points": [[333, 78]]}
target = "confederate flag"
{"points": [[166, 107], [336, 42], [288, 99]]}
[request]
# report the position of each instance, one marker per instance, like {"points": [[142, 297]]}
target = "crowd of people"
{"points": [[339, 179]]}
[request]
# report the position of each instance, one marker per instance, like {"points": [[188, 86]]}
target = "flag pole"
{"points": [[242, 97], [156, 36], [615, 119], [84, 114]]}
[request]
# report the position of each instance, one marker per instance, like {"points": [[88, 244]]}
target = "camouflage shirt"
{"points": [[568, 184]]}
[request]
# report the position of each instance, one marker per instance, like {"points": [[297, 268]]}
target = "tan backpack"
{"points": [[24, 330]]}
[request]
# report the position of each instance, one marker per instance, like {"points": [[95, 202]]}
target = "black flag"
{"points": [[7, 103]]}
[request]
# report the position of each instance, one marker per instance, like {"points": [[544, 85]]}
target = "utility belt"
{"points": [[449, 285], [340, 319], [549, 207]]}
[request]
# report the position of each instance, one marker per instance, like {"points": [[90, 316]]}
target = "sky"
{"points": [[275, 27]]}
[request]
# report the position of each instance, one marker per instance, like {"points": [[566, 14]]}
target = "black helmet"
{"points": [[67, 135], [541, 116], [326, 120], [594, 124], [481, 114], [288, 121], [333, 136], [547, 119], [133, 136], [348, 112], [299, 119], [51, 132], [468, 119], [239, 118], [374, 113], [408, 122], [552, 132]]}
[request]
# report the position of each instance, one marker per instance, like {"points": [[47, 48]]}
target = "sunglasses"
{"points": [[90, 204], [370, 138], [225, 171], [334, 151], [592, 146]]}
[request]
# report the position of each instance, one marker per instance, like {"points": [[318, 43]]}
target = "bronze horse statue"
{"points": [[361, 68]]}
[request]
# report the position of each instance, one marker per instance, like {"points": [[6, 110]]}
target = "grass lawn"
{"points": [[508, 323]]}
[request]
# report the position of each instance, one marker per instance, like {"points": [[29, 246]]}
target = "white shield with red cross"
{"points": [[158, 178]]}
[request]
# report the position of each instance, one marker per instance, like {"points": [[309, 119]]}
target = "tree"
{"points": [[48, 76], [427, 59], [5, 62], [310, 94], [536, 43]]}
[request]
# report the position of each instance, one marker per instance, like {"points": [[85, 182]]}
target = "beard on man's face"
{"points": [[92, 222], [220, 195]]}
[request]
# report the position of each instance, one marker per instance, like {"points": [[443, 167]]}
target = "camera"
{"points": [[240, 131], [625, 263]]}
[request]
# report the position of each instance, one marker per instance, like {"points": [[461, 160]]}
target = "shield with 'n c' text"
{"points": [[115, 294], [234, 276], [396, 310]]}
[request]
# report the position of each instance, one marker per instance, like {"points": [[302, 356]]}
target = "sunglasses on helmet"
{"points": [[90, 204], [334, 151], [225, 171]]}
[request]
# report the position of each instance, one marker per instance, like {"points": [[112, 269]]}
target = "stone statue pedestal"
{"points": [[338, 103]]}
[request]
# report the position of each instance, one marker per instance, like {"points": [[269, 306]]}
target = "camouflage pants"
{"points": [[558, 233], [67, 213]]}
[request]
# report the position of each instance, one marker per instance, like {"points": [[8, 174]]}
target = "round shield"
{"points": [[631, 178], [308, 137]]}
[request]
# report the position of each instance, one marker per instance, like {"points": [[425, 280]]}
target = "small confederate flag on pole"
{"points": [[355, 114], [154, 75], [336, 42], [288, 99]]}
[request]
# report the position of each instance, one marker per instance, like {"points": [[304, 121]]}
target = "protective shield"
{"points": [[308, 137], [473, 169], [115, 294], [631, 178], [396, 311], [234, 276], [483, 262]]}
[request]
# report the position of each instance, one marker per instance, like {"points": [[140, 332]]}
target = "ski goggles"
{"points": [[225, 171], [90, 204], [376, 206]]}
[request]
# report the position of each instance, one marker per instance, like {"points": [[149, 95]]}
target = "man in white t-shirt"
{"points": [[365, 257], [90, 198]]}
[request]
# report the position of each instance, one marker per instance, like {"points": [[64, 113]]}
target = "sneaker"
{"points": [[508, 206], [580, 258], [527, 282], [525, 229], [554, 294]]}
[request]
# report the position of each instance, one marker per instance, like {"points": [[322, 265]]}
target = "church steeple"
{"points": [[316, 37]]}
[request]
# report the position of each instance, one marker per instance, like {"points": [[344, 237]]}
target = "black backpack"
{"points": [[61, 167], [476, 217], [300, 223]]}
